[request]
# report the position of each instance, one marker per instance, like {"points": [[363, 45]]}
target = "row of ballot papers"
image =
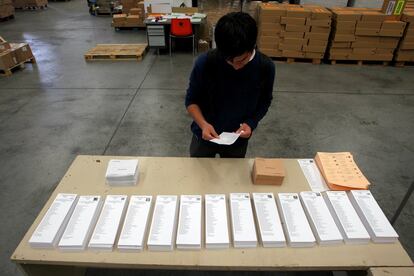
{"points": [[297, 220]]}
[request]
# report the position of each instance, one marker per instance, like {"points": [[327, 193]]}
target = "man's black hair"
{"points": [[235, 34]]}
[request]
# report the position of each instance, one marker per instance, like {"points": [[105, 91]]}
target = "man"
{"points": [[230, 88]]}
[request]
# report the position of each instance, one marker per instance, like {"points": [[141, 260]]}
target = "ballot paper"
{"points": [[217, 233], [161, 236], [226, 138], [346, 218], [122, 172], [297, 229], [374, 219], [270, 226], [81, 223], [54, 222], [106, 228], [244, 231], [135, 224], [189, 223], [313, 175], [320, 219]]}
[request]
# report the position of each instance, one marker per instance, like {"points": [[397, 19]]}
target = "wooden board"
{"points": [[117, 52], [170, 175]]}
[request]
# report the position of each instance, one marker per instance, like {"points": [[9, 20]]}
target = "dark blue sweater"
{"points": [[229, 97]]}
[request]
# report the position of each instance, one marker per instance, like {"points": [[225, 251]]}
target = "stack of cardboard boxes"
{"points": [[132, 16], [364, 34], [293, 31], [6, 9], [21, 4], [409, 5], [12, 54], [405, 52]]}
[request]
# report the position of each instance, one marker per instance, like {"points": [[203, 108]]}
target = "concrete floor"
{"points": [[63, 106]]}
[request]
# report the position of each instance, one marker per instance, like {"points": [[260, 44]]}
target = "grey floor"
{"points": [[63, 106]]}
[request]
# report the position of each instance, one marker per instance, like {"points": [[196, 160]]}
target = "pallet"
{"points": [[297, 60], [7, 18], [21, 65], [117, 52], [32, 8], [403, 63], [360, 62]]}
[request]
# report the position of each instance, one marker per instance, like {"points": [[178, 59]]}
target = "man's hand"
{"points": [[244, 130], [208, 132]]}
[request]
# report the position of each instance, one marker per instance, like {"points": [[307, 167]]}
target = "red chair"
{"points": [[181, 28]]}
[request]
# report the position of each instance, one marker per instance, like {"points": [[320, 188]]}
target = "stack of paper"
{"points": [[163, 223], [313, 175], [189, 223], [320, 219], [217, 233], [106, 229], [271, 231], [244, 231], [375, 221], [54, 222], [297, 229], [81, 223], [346, 217], [135, 224], [340, 171], [122, 172]]}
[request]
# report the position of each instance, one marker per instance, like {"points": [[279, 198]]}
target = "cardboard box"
{"points": [[314, 55], [370, 39], [316, 49], [369, 24], [341, 44], [135, 11], [318, 23], [293, 54], [384, 51], [348, 25], [344, 37], [297, 28], [293, 41], [316, 36], [134, 19], [340, 51], [392, 33], [118, 18], [373, 16], [277, 27], [338, 56], [271, 10], [368, 51], [320, 30], [271, 52], [318, 43], [269, 39], [293, 21], [367, 32], [22, 51], [346, 15], [344, 31], [286, 34], [374, 57], [407, 45], [269, 19], [404, 56], [292, 47], [320, 13], [268, 32], [273, 45], [393, 8], [298, 12], [394, 25], [4, 46], [8, 60]]}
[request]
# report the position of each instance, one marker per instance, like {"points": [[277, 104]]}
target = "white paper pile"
{"points": [[189, 223], [106, 228], [320, 219], [163, 223], [54, 222], [81, 223], [217, 232], [135, 224], [270, 227], [346, 218], [375, 221], [242, 221], [122, 172], [297, 229]]}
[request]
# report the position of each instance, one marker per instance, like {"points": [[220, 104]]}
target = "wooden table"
{"points": [[168, 175]]}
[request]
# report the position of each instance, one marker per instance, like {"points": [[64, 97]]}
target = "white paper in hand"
{"points": [[226, 138]]}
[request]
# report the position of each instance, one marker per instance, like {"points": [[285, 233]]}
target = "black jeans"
{"points": [[202, 148]]}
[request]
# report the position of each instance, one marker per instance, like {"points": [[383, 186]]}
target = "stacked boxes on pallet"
{"points": [[12, 54], [6, 9], [132, 16], [405, 52], [21, 4], [293, 31], [364, 35]]}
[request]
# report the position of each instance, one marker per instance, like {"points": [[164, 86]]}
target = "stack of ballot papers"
{"points": [[313, 175], [375, 221], [320, 219], [189, 223], [161, 235], [340, 171], [54, 222], [270, 226], [135, 224], [346, 218], [106, 228], [81, 223], [297, 229], [217, 233], [242, 221], [122, 172], [226, 138]]}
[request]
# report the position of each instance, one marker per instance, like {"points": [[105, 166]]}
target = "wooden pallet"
{"points": [[297, 60], [360, 62], [21, 65], [404, 63], [7, 18], [117, 52]]}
